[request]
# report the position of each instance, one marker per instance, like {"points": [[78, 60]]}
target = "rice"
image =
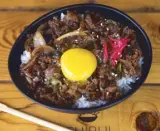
{"points": [[25, 57], [62, 16], [124, 83], [83, 103], [140, 62]]}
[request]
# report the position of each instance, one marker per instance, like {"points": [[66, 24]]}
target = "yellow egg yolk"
{"points": [[78, 64]]}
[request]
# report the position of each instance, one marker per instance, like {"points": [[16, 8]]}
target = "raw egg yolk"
{"points": [[78, 64]]}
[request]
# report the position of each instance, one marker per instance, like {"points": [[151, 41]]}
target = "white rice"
{"points": [[140, 62], [124, 83], [62, 16], [83, 103], [25, 57]]}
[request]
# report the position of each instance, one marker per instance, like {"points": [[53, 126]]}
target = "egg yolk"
{"points": [[78, 64]]}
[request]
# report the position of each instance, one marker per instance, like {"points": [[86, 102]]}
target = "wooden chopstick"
{"points": [[28, 117]]}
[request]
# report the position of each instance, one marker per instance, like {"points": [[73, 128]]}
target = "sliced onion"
{"points": [[35, 54], [30, 63], [38, 39], [76, 32], [28, 74], [29, 80], [43, 48]]}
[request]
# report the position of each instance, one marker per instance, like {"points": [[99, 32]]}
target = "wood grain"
{"points": [[38, 3], [136, 5], [117, 118], [12, 23], [133, 5]]}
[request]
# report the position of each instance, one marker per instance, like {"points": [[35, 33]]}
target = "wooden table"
{"points": [[16, 14]]}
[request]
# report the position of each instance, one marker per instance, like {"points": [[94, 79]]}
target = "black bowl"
{"points": [[109, 12]]}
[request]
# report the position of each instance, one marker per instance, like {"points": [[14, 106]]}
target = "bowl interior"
{"points": [[110, 13]]}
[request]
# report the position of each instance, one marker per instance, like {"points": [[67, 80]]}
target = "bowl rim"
{"points": [[93, 109]]}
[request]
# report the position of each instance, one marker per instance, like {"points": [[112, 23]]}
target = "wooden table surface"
{"points": [[16, 14]]}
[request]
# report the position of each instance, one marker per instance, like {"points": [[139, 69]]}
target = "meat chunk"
{"points": [[89, 22], [52, 70], [55, 26], [128, 33], [71, 19], [133, 63], [109, 93]]}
